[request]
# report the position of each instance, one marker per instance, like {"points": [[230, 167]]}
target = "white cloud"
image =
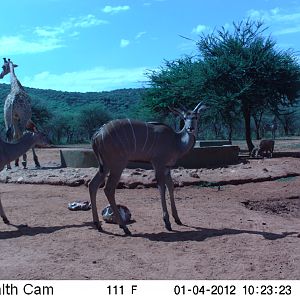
{"points": [[287, 30], [74, 34], [140, 34], [86, 21], [274, 15], [227, 26], [124, 43], [18, 45], [200, 28], [70, 24], [47, 38], [115, 9], [96, 79], [281, 21]]}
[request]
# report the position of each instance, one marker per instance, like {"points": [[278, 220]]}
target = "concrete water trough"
{"points": [[198, 157]]}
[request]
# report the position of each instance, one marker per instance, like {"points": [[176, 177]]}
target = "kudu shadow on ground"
{"points": [[197, 234], [24, 230], [46, 168]]}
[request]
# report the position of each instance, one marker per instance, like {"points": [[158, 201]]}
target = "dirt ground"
{"points": [[240, 222]]}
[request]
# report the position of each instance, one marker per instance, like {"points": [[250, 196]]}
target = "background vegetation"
{"points": [[73, 117], [242, 76]]}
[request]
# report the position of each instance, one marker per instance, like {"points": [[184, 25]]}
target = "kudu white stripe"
{"points": [[156, 143], [133, 134], [146, 140]]}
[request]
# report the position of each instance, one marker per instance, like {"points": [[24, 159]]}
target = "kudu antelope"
{"points": [[265, 148], [11, 151], [120, 141]]}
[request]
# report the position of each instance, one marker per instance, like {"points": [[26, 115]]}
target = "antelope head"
{"points": [[190, 117]]}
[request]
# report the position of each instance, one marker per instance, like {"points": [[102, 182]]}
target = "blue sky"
{"points": [[99, 45]]}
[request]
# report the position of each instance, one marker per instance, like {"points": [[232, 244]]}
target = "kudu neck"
{"points": [[14, 150], [26, 141], [187, 139]]}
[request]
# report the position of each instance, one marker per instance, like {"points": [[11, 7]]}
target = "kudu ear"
{"points": [[200, 106], [176, 111]]}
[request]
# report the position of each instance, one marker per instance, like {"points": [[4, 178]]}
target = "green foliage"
{"points": [[238, 74], [72, 117], [41, 115], [177, 82], [92, 117], [245, 73]]}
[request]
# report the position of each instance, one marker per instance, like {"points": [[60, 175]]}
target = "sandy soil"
{"points": [[240, 222]]}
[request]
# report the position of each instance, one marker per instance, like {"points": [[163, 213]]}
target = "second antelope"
{"points": [[11, 151], [120, 141]]}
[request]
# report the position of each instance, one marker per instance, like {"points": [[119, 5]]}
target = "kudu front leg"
{"points": [[170, 186], [161, 182], [24, 162], [2, 214], [35, 159], [17, 162]]}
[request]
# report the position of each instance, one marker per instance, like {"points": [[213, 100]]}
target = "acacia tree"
{"points": [[246, 66], [92, 117], [239, 74], [185, 82], [178, 82]]}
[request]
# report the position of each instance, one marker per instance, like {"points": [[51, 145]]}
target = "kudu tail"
{"points": [[96, 149]]}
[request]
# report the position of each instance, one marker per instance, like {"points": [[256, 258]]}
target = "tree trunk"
{"points": [[257, 122], [230, 131], [286, 129], [247, 119], [257, 128]]}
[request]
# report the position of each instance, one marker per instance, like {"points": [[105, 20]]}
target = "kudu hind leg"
{"points": [[170, 186], [94, 184], [109, 190]]}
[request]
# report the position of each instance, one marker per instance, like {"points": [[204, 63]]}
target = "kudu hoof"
{"points": [[5, 220], [126, 230], [98, 226], [168, 226], [178, 222]]}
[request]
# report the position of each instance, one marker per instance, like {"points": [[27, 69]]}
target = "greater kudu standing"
{"points": [[120, 141], [11, 151]]}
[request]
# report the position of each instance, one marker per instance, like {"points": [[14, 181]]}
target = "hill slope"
{"points": [[118, 102]]}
